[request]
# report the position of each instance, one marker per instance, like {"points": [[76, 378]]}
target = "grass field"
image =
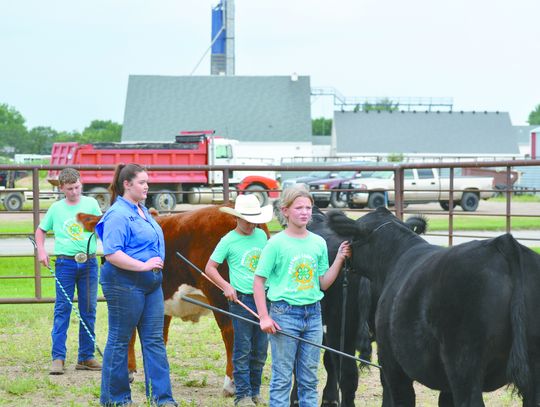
{"points": [[196, 357], [195, 351]]}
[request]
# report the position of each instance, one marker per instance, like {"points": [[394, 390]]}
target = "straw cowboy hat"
{"points": [[248, 207]]}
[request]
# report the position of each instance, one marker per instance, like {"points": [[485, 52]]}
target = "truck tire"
{"points": [[101, 195], [355, 206], [164, 201], [321, 204], [469, 201], [338, 199], [376, 199], [14, 201], [445, 205], [259, 192]]}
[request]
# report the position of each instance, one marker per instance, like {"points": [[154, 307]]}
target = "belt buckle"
{"points": [[156, 270], [81, 257]]}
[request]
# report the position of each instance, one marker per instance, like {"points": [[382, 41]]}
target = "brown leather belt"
{"points": [[79, 257]]}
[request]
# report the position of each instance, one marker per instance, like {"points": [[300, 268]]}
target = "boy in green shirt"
{"points": [[241, 247], [75, 265]]}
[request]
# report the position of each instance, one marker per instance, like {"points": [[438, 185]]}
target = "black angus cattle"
{"points": [[461, 320], [356, 329]]}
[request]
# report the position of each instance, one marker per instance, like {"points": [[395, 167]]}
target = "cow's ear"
{"points": [[418, 224], [341, 224], [88, 221]]}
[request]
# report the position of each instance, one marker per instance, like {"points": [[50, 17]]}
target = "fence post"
{"points": [[36, 220]]}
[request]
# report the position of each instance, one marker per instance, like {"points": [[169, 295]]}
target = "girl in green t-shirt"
{"points": [[294, 267]]}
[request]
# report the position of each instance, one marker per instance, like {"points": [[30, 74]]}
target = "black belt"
{"points": [[79, 257]]}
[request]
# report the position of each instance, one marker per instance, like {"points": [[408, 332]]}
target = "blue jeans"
{"points": [[290, 355], [134, 299], [84, 276], [249, 350]]}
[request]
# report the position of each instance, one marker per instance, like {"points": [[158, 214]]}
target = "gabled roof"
{"points": [[424, 132], [247, 108]]}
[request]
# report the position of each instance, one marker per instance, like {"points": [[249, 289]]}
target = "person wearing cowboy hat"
{"points": [[241, 247]]}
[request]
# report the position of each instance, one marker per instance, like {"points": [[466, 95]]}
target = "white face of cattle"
{"points": [[175, 307]]}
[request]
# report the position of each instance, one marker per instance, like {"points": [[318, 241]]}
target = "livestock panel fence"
{"points": [[504, 186]]}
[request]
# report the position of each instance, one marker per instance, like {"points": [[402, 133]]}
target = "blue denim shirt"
{"points": [[122, 228]]}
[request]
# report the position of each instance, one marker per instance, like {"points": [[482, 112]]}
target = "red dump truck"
{"points": [[167, 188]]}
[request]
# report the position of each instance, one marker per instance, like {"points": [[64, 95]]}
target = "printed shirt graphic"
{"points": [[69, 236], [292, 267], [242, 254]]}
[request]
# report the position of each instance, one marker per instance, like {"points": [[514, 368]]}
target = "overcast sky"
{"points": [[64, 63]]}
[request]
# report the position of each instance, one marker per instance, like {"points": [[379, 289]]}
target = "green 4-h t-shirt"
{"points": [[70, 237], [292, 267], [242, 254]]}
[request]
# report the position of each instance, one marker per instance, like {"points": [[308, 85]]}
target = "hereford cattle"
{"points": [[341, 374], [194, 234], [461, 320]]}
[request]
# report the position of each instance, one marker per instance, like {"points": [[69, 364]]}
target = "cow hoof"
{"points": [[131, 376], [229, 388]]}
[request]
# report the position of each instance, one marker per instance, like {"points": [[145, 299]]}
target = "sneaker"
{"points": [[90, 364], [258, 400], [246, 401], [57, 367]]}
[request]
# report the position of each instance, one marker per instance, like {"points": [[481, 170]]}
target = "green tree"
{"points": [[384, 104], [42, 140], [321, 126], [13, 133], [101, 131], [534, 116], [64, 136]]}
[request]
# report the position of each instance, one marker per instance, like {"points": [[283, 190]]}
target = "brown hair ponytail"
{"points": [[123, 172]]}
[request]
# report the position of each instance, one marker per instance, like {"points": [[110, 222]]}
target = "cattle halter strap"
{"points": [[380, 226], [358, 244]]}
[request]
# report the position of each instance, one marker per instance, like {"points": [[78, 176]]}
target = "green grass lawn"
{"points": [[495, 223], [195, 352]]}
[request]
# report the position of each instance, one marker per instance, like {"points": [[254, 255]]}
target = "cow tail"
{"points": [[518, 370]]}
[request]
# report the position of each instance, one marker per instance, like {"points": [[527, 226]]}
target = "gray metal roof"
{"points": [[247, 108], [424, 132]]}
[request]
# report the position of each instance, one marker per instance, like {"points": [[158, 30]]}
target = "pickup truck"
{"points": [[325, 191], [421, 185]]}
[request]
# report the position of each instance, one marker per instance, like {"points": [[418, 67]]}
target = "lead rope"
{"points": [[88, 271], [70, 302], [345, 290]]}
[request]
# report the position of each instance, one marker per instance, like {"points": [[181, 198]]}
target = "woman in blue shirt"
{"points": [[131, 278]]}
